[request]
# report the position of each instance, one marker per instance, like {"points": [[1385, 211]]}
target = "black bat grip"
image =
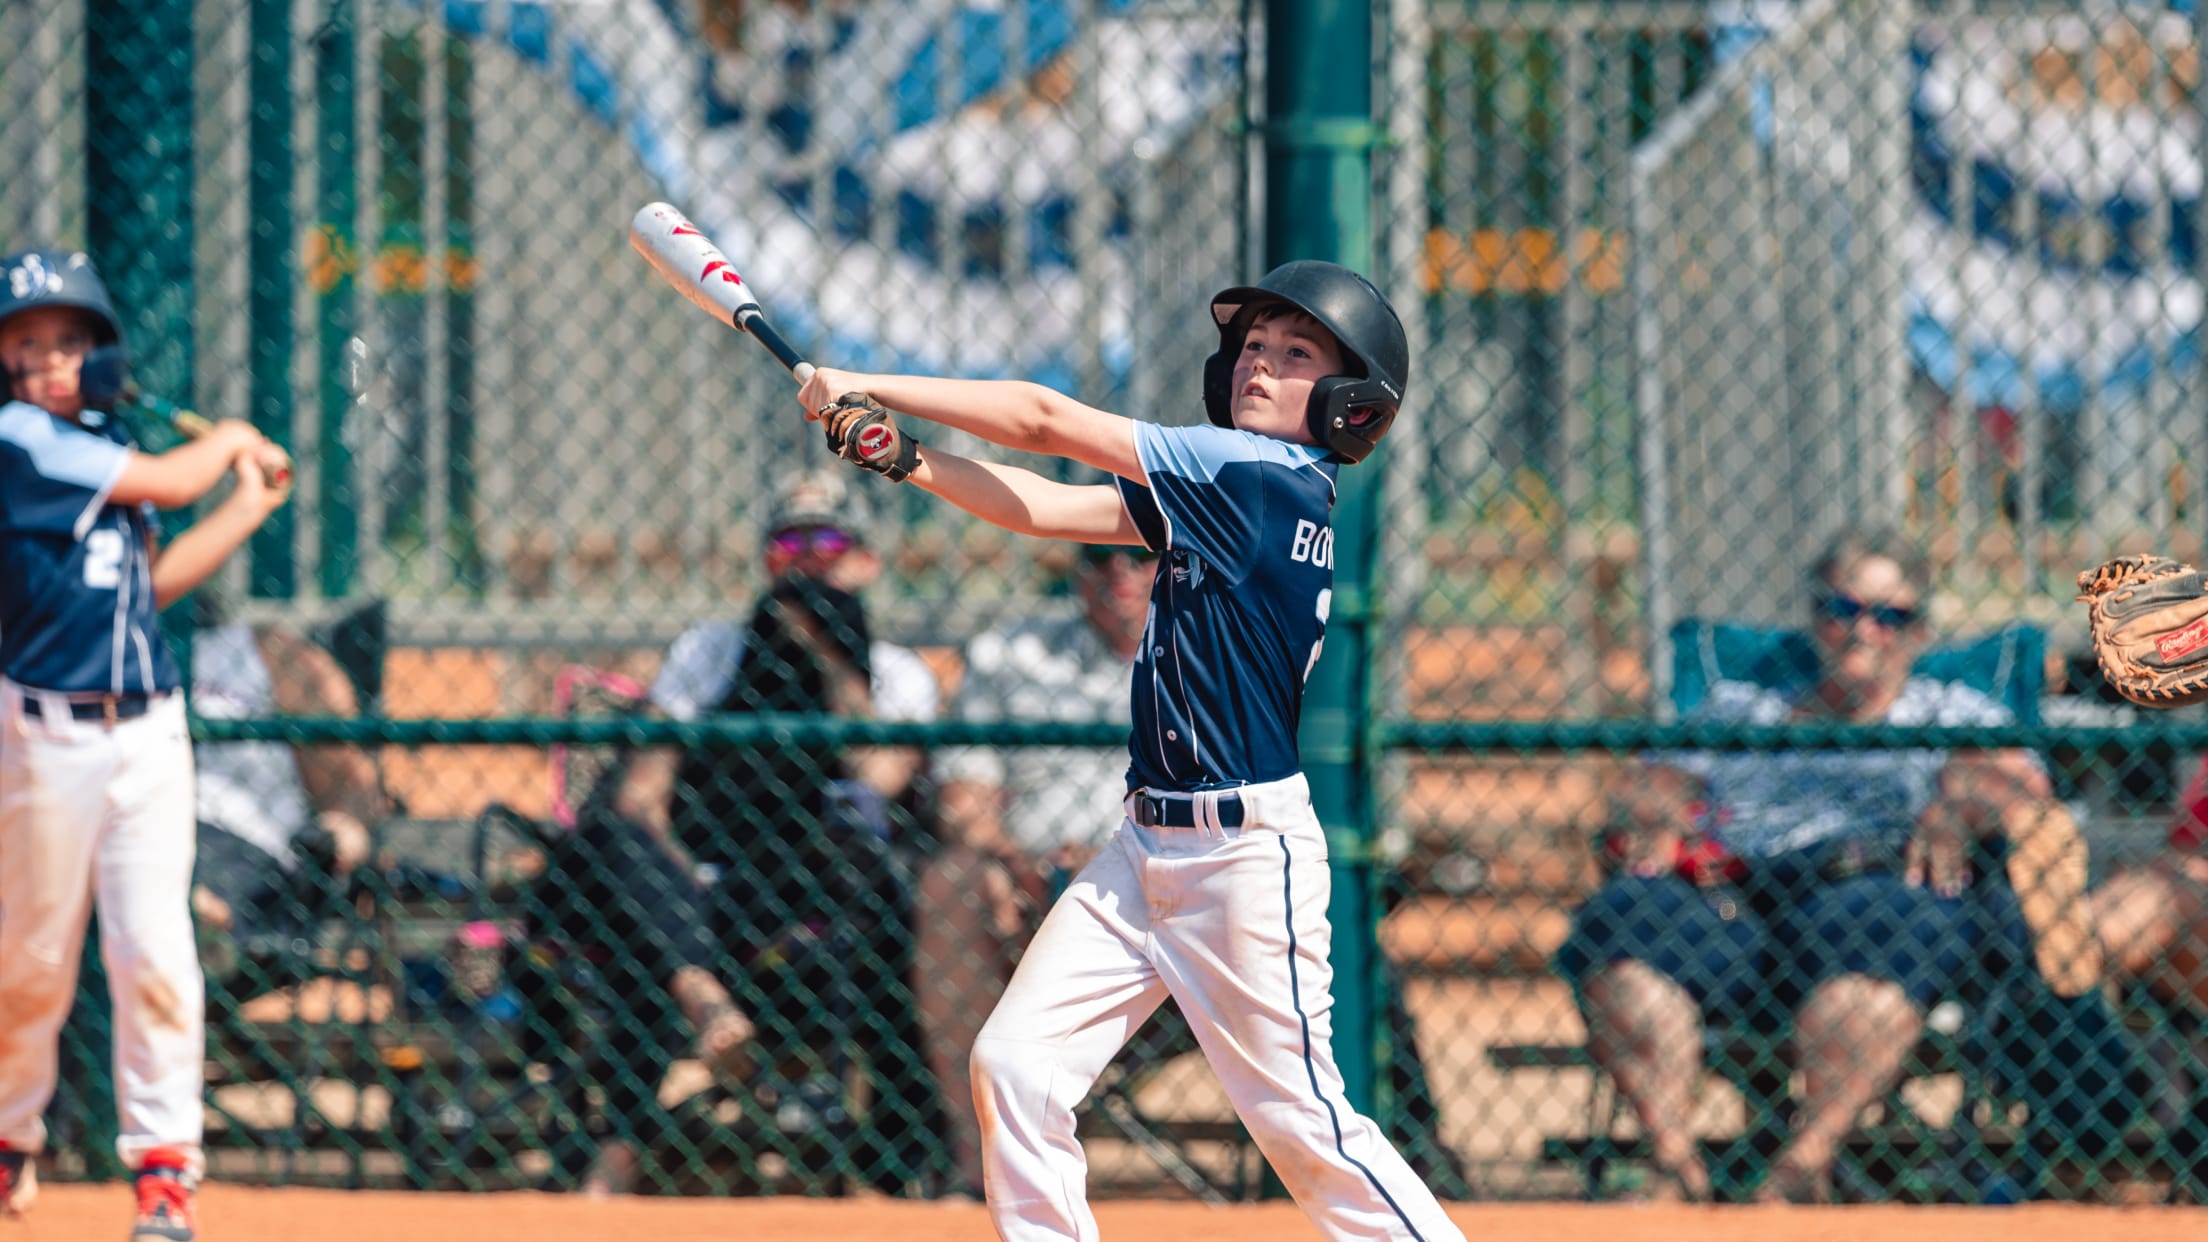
{"points": [[751, 320]]}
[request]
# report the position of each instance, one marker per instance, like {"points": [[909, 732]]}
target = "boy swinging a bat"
{"points": [[95, 768], [1214, 889]]}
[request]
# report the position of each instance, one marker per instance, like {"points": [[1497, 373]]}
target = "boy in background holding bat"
{"points": [[95, 768], [1215, 887]]}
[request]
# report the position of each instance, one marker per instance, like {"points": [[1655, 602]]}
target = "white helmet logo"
{"points": [[32, 277]]}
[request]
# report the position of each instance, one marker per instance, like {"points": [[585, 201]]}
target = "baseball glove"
{"points": [[860, 431], [2150, 628]]}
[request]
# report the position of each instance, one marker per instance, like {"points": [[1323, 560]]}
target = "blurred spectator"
{"points": [[806, 647], [1817, 888], [281, 827], [806, 846], [2153, 921], [633, 913]]}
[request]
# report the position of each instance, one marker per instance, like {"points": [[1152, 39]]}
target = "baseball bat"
{"points": [[191, 425], [687, 259]]}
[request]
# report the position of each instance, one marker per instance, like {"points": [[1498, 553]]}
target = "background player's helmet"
{"points": [[34, 278], [1348, 413]]}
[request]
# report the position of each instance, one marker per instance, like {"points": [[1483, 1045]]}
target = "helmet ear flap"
{"points": [[1349, 414], [1359, 434], [1218, 377], [1219, 368]]}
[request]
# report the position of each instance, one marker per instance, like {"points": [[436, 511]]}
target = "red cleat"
{"points": [[18, 1182], [164, 1199]]}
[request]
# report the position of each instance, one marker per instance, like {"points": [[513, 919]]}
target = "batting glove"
{"points": [[861, 432]]}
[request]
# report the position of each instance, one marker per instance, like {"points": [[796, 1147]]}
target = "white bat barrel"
{"points": [[687, 259]]}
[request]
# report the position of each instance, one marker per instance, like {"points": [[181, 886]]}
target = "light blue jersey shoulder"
{"points": [[1214, 491], [54, 476], [1240, 605], [76, 581]]}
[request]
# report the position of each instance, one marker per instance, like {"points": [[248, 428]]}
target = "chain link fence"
{"points": [[598, 792]]}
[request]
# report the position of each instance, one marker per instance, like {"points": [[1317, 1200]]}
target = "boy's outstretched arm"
{"points": [[1025, 502], [1013, 413], [182, 475]]}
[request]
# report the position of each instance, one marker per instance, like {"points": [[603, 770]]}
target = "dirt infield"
{"points": [[236, 1214]]}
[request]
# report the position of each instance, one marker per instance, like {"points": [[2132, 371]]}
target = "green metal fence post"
{"points": [[1318, 190], [275, 569], [138, 171], [459, 294], [332, 268], [138, 191]]}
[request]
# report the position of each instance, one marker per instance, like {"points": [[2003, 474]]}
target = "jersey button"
{"points": [[1172, 736], [1157, 651]]}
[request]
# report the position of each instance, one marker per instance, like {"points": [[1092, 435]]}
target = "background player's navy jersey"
{"points": [[76, 587], [1239, 607]]}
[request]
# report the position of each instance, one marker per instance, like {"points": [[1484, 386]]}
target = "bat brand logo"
{"points": [[683, 228], [876, 441], [728, 274]]}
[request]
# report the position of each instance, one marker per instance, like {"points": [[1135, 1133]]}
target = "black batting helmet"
{"points": [[66, 278], [1348, 413]]}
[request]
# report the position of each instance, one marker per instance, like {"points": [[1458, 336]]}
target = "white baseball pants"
{"points": [[88, 808], [1231, 922]]}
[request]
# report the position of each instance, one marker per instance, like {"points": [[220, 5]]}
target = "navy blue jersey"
{"points": [[76, 586], [1240, 604]]}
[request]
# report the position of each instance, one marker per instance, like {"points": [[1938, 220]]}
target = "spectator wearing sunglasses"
{"points": [[818, 533], [1816, 890], [803, 848]]}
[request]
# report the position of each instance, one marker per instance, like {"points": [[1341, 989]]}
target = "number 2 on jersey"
{"points": [[103, 560], [1326, 605]]}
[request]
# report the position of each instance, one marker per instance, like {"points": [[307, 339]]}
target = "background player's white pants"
{"points": [[85, 810], [1231, 922]]}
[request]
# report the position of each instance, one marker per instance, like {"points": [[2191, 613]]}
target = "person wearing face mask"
{"points": [[1820, 890], [799, 851]]}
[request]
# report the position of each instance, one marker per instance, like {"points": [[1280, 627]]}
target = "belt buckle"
{"points": [[1149, 810]]}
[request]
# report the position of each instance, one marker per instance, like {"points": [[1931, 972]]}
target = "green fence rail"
{"points": [[1402, 736]]}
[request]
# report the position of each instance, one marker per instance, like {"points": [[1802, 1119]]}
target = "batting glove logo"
{"points": [[877, 442]]}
